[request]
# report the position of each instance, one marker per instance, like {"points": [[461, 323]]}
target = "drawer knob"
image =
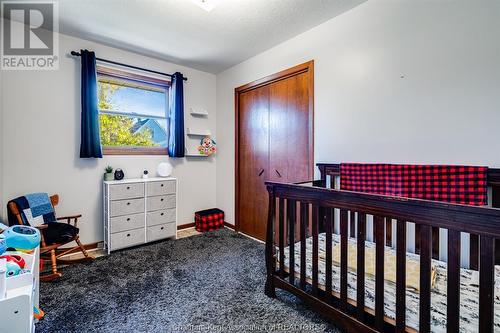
{"points": [[161, 228], [128, 218], [128, 187], [128, 203], [128, 235], [161, 199], [161, 185], [162, 214]]}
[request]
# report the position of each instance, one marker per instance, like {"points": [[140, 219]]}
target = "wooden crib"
{"points": [[300, 213]]}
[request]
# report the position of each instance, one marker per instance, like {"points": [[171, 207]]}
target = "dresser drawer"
{"points": [[126, 191], [160, 217], [124, 239], [160, 188], [126, 207], [126, 222], [160, 202], [161, 231]]}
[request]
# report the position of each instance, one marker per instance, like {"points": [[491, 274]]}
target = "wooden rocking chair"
{"points": [[53, 252]]}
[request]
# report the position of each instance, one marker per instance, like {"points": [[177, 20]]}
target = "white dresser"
{"points": [[138, 211]]}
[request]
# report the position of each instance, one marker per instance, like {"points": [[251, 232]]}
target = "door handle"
{"points": [[261, 172], [278, 173]]}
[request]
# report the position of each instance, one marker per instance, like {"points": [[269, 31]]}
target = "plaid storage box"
{"points": [[209, 219]]}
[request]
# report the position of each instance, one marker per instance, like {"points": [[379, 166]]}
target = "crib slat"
{"points": [[352, 224], [304, 214], [328, 256], [453, 287], [474, 252], [486, 282], [418, 232], [425, 237], [400, 276], [435, 243], [315, 222], [281, 239], [292, 209], [379, 271], [344, 226], [388, 231], [360, 272]]}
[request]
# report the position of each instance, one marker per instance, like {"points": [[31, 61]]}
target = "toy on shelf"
{"points": [[15, 258], [207, 146], [38, 313], [22, 238], [13, 269], [14, 265], [3, 244]]}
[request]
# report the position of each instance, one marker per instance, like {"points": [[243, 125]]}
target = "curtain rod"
{"points": [[77, 54]]}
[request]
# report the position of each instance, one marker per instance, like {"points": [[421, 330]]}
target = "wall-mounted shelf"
{"points": [[199, 112], [198, 132], [195, 154]]}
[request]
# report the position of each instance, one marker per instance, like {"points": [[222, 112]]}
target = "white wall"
{"points": [[395, 81], [2, 141], [41, 132]]}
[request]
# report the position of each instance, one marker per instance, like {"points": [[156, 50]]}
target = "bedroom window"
{"points": [[132, 113]]}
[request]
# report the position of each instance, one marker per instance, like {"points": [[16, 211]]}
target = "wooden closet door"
{"points": [[253, 160], [290, 137], [274, 122]]}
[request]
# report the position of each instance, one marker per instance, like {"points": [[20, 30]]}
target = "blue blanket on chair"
{"points": [[35, 209]]}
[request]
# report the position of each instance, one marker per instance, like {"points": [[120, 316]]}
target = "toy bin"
{"points": [[209, 219]]}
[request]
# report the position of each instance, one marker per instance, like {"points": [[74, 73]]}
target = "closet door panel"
{"points": [[253, 160], [278, 134], [290, 128]]}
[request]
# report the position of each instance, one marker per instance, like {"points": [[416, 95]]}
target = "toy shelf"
{"points": [[196, 132], [16, 309]]}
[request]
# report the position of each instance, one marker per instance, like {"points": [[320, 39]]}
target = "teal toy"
{"points": [[13, 269], [21, 237]]}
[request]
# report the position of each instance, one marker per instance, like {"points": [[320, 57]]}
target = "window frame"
{"points": [[120, 74]]}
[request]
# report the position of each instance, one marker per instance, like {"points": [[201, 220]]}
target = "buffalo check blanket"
{"points": [[455, 184]]}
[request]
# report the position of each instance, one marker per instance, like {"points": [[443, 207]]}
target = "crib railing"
{"points": [[330, 174], [299, 211]]}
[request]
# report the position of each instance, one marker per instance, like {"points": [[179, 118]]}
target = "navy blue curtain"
{"points": [[176, 146], [90, 144]]}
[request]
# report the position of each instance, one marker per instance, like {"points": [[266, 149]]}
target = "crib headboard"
{"points": [[332, 170]]}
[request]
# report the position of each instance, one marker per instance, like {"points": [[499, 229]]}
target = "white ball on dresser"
{"points": [[164, 169]]}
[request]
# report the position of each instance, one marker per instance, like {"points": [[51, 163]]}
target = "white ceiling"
{"points": [[181, 32]]}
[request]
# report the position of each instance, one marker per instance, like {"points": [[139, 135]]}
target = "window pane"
{"points": [[125, 131], [132, 97]]}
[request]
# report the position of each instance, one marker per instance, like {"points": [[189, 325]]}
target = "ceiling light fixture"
{"points": [[207, 5]]}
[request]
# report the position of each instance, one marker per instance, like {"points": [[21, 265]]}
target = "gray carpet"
{"points": [[208, 283]]}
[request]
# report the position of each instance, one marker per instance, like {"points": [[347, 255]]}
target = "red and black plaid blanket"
{"points": [[455, 184]]}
